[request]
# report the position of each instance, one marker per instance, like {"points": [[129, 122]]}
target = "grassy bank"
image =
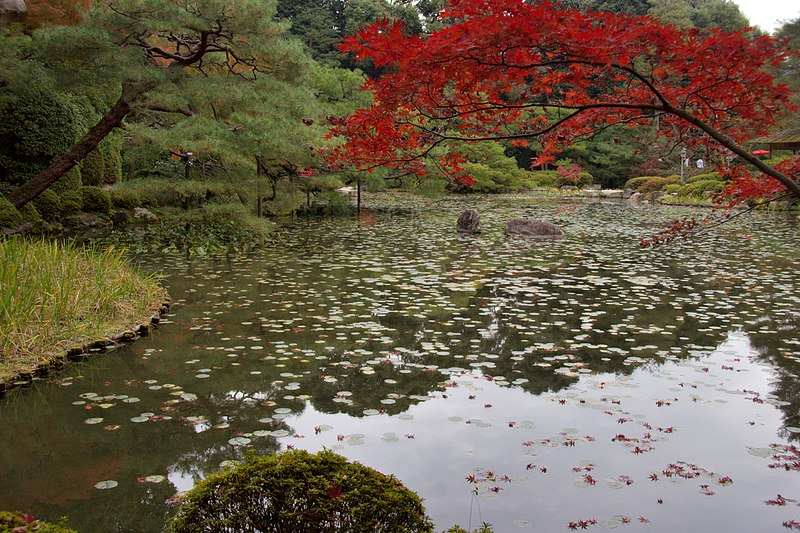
{"points": [[55, 297]]}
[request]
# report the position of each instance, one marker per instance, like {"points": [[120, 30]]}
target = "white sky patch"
{"points": [[769, 14]]}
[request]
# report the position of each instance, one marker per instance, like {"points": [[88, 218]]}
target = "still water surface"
{"points": [[528, 384]]}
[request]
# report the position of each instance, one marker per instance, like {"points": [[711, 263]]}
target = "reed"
{"points": [[56, 296]]}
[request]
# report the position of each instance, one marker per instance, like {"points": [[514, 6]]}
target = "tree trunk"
{"points": [[63, 163]]}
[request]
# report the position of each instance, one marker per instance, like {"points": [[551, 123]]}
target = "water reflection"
{"points": [[436, 356]]}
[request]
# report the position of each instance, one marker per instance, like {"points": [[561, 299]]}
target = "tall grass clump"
{"points": [[55, 296]]}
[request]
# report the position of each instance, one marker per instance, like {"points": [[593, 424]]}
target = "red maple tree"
{"points": [[511, 70]]}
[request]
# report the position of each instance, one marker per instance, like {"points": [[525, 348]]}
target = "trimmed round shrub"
{"points": [[30, 213], [704, 177], [113, 159], [93, 168], [673, 187], [95, 200], [125, 199], [635, 183], [71, 202], [698, 188], [69, 182], [655, 184], [49, 205], [9, 216], [21, 522], [300, 491]]}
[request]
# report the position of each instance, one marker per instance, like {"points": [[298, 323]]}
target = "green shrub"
{"points": [[545, 178], [655, 184], [635, 183], [122, 199], [69, 182], [112, 156], [671, 188], [299, 491], [698, 188], [9, 216], [30, 213], [183, 194], [71, 203], [93, 168], [22, 522], [49, 205], [37, 123], [95, 200], [704, 177]]}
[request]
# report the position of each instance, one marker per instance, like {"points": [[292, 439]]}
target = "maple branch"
{"points": [[728, 143]]}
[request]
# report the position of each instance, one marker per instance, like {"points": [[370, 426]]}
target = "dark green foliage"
{"points": [[30, 213], [22, 522], [69, 182], [93, 168], [611, 156], [633, 7], [36, 124], [71, 203], [296, 491], [112, 157], [68, 189], [95, 200], [125, 199], [48, 204], [9, 216]]}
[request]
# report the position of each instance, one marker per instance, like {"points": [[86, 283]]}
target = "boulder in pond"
{"points": [[526, 226], [469, 222]]}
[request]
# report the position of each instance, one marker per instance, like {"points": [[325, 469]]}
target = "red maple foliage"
{"points": [[511, 70]]}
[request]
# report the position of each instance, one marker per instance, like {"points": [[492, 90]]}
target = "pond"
{"points": [[538, 385]]}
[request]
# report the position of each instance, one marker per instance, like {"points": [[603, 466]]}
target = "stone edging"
{"points": [[80, 353]]}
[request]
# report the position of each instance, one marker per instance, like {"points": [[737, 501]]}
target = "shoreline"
{"points": [[81, 352]]}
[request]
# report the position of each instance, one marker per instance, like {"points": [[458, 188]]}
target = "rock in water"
{"points": [[469, 221], [526, 226]]}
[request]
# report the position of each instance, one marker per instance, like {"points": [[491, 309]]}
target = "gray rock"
{"points": [[85, 220], [635, 198], [119, 218], [143, 214], [469, 222], [526, 226]]}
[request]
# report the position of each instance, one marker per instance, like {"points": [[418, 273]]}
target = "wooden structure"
{"points": [[786, 139]]}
